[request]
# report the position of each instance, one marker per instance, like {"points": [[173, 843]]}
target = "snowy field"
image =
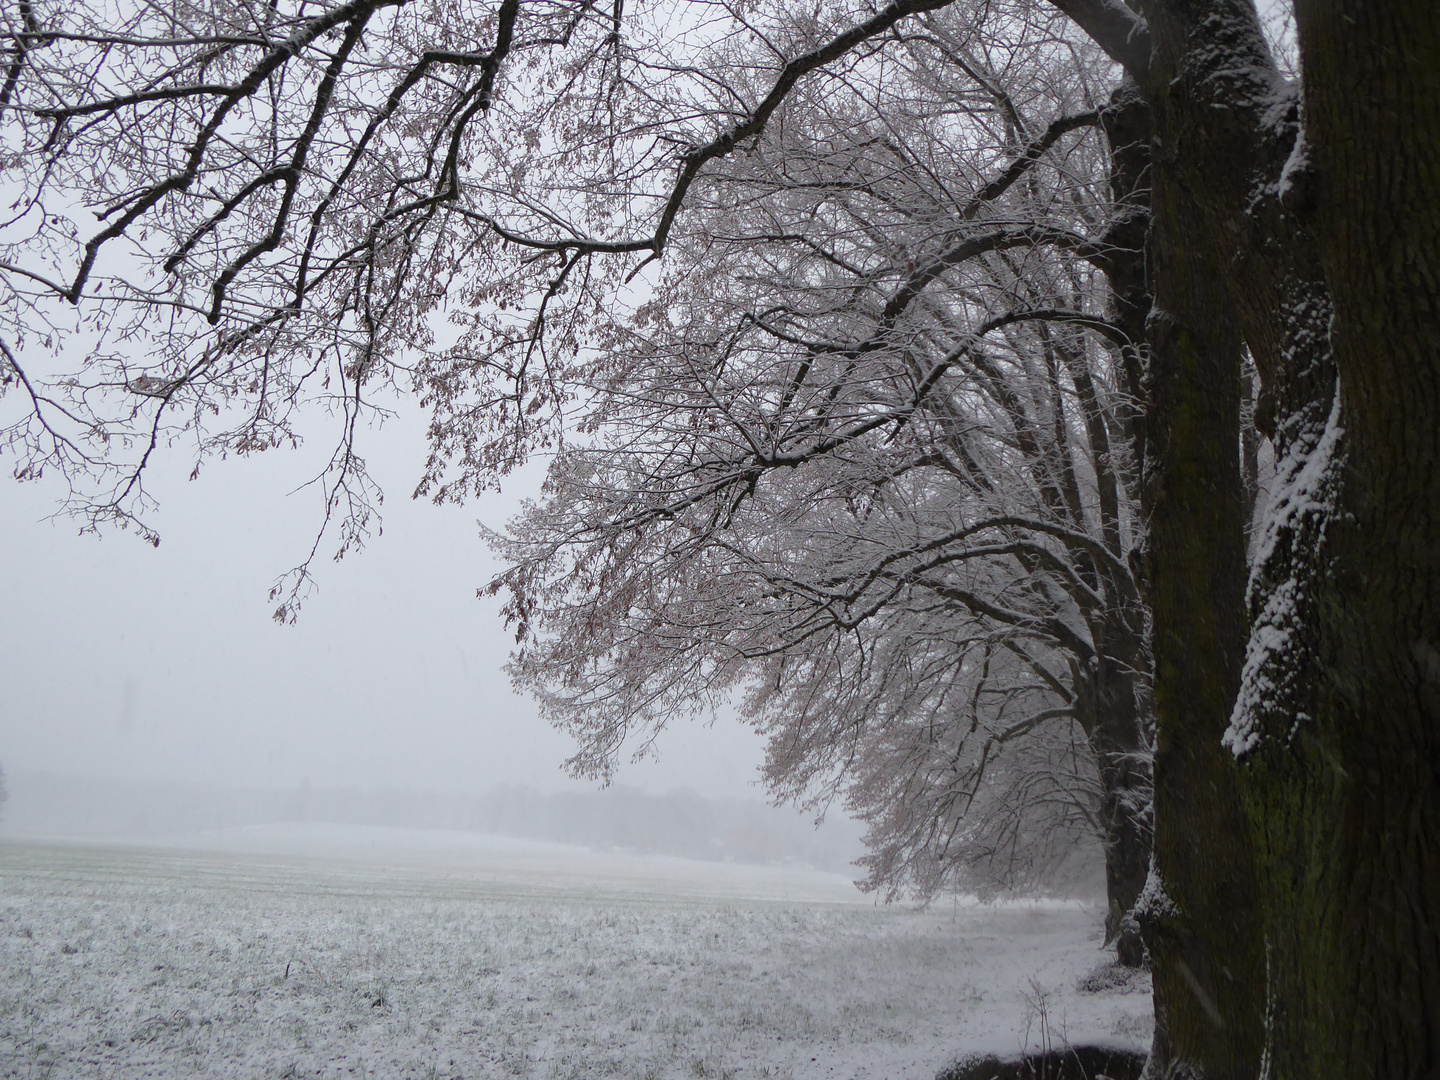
{"points": [[347, 952]]}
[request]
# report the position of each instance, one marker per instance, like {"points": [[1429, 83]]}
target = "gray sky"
{"points": [[117, 659]]}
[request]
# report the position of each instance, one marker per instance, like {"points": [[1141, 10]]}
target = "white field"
{"points": [[343, 952]]}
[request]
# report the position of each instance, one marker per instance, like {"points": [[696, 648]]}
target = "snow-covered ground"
{"points": [[310, 951]]}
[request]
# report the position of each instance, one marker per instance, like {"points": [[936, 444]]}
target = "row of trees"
{"points": [[909, 348], [866, 453]]}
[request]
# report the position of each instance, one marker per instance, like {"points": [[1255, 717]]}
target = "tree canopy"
{"points": [[866, 453]]}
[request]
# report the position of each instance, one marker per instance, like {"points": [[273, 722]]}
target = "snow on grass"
{"points": [[469, 961]]}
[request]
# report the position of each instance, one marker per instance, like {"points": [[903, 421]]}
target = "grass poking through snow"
{"points": [[119, 962]]}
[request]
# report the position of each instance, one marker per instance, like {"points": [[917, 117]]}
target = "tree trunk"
{"points": [[1199, 914], [1350, 793], [1128, 129], [1337, 728], [1124, 719], [1122, 756]]}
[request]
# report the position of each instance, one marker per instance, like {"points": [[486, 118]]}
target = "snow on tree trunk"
{"points": [[1319, 251], [1339, 735]]}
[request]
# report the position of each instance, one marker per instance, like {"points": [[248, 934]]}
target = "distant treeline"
{"points": [[677, 823]]}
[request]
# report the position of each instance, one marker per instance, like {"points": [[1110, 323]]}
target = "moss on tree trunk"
{"points": [[1348, 797], [1328, 875]]}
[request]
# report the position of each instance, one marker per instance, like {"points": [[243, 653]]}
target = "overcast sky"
{"points": [[117, 659]]}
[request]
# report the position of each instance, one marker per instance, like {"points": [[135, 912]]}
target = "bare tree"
{"points": [[865, 452], [239, 215]]}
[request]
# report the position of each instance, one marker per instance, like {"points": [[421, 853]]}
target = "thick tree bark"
{"points": [[1128, 129], [1310, 870], [1122, 756], [1123, 710], [1349, 795], [1200, 915]]}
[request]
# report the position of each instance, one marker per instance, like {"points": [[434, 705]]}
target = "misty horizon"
{"points": [[677, 823], [123, 660]]}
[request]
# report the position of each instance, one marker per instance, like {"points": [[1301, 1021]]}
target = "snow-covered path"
{"points": [[440, 955]]}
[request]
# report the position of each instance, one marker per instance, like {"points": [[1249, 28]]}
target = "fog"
{"points": [[162, 670]]}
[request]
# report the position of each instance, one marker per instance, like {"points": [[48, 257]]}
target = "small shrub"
{"points": [[1072, 1063]]}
